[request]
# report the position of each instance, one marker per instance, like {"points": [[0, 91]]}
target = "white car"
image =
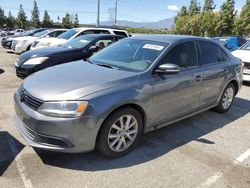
{"points": [[18, 32], [53, 34], [244, 54], [23, 44], [76, 32]]}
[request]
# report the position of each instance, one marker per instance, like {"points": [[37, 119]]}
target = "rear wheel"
{"points": [[226, 99], [120, 132]]}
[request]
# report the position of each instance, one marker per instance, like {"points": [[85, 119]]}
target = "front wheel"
{"points": [[120, 132], [226, 99]]}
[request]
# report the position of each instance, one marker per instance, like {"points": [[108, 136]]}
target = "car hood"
{"points": [[53, 41], [244, 55], [25, 38], [74, 80], [42, 52]]}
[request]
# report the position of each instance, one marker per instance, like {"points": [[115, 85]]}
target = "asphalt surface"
{"points": [[207, 150]]}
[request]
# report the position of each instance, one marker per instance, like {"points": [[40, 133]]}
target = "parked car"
{"points": [[220, 40], [233, 43], [244, 54], [53, 34], [18, 32], [134, 86], [23, 44], [76, 32], [7, 41], [77, 49]]}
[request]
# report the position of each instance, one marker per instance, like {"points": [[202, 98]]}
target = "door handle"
{"points": [[198, 78]]}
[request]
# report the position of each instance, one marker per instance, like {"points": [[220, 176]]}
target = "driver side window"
{"points": [[103, 43], [183, 55]]}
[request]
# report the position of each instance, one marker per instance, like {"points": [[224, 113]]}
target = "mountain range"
{"points": [[162, 24]]}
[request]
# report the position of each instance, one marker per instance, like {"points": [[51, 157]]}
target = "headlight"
{"points": [[35, 61], [63, 108]]}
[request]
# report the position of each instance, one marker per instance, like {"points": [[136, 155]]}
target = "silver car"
{"points": [[134, 86]]}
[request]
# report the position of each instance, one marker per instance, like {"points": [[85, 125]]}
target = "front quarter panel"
{"points": [[138, 93]]}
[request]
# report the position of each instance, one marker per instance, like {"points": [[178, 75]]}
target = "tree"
{"points": [[2, 17], [21, 20], [182, 25], [194, 8], [76, 21], [226, 23], [35, 19], [10, 21], [47, 22], [183, 12], [243, 26], [208, 23], [209, 5], [66, 22]]}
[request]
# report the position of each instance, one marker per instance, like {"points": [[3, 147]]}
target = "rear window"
{"points": [[120, 33], [211, 53]]}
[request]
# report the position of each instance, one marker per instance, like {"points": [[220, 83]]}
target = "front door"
{"points": [[177, 95]]}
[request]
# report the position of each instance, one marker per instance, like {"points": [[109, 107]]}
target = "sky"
{"points": [[131, 10]]}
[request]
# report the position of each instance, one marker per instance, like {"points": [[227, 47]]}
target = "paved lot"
{"points": [[207, 150]]}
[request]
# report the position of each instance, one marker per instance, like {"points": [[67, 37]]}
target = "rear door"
{"points": [[214, 72]]}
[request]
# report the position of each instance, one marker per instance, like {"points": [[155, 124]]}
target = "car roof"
{"points": [[100, 35], [97, 28], [168, 38]]}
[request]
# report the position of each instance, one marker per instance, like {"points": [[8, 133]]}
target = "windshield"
{"points": [[130, 54], [79, 42], [40, 34], [68, 34], [246, 46], [27, 33]]}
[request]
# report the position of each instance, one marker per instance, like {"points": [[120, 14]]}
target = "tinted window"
{"points": [[183, 55], [241, 41], [68, 34], [224, 56], [210, 53], [120, 33]]}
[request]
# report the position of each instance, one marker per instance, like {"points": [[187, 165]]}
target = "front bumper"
{"points": [[71, 135], [18, 48], [6, 45]]}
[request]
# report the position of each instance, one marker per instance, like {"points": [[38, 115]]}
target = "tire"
{"points": [[110, 137], [222, 106], [28, 48]]}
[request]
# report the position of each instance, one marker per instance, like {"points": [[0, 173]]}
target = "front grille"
{"points": [[247, 65], [28, 100]]}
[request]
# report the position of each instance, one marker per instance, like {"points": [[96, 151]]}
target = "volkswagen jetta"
{"points": [[134, 86]]}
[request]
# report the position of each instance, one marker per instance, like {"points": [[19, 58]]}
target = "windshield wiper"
{"points": [[89, 61], [106, 65]]}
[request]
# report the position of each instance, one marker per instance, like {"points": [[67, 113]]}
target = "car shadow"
{"points": [[9, 149], [1, 71], [153, 144]]}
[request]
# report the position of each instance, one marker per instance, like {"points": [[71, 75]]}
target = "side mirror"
{"points": [[46, 36], [93, 49], [168, 69]]}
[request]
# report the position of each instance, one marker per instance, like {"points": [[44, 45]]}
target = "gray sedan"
{"points": [[134, 86]]}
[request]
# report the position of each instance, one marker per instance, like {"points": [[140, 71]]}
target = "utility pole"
{"points": [[116, 12], [98, 14]]}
